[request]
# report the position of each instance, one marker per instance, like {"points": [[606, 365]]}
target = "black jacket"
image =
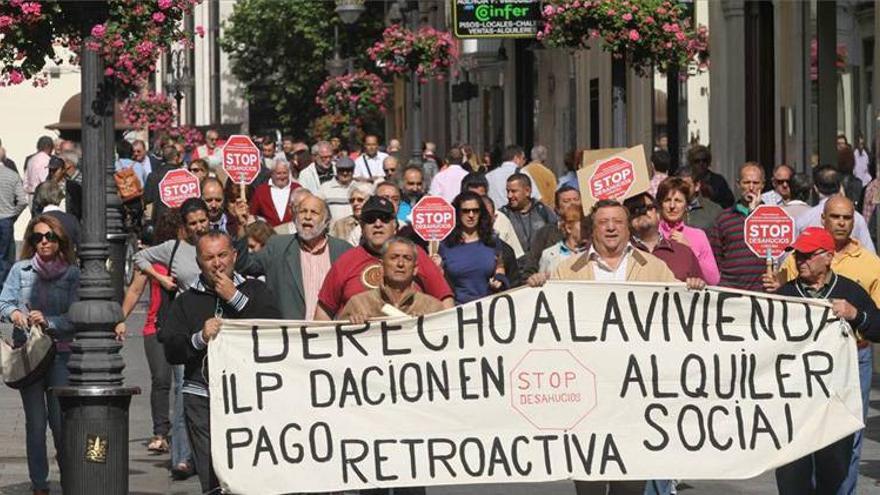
{"points": [[866, 322], [193, 308]]}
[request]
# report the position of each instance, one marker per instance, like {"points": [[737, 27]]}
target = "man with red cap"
{"points": [[825, 470]]}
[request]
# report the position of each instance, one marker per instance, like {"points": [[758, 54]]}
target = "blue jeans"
{"points": [[180, 449], [866, 372], [42, 407], [659, 487], [7, 242]]}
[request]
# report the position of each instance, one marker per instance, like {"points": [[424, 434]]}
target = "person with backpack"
{"points": [[178, 255], [168, 227]]}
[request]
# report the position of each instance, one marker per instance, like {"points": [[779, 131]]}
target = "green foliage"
{"points": [[278, 48]]}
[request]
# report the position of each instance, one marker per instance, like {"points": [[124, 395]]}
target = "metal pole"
{"points": [[95, 403], [416, 87]]}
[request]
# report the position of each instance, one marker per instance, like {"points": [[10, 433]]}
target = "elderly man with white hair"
{"points": [[321, 170], [295, 264], [271, 200], [543, 178]]}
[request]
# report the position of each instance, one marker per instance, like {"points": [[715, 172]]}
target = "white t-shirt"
{"points": [[370, 168]]}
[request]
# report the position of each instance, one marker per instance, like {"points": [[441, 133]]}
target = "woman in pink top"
{"points": [[673, 196]]}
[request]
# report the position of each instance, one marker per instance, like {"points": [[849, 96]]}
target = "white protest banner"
{"points": [[575, 380]]}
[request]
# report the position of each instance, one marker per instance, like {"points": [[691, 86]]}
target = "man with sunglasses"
{"points": [[781, 192], [825, 470], [714, 186], [359, 269]]}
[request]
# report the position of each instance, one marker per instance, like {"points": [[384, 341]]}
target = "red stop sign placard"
{"points": [[612, 179], [241, 159], [177, 186], [433, 218], [768, 227]]}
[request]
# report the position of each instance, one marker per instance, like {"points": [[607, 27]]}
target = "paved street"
{"points": [[149, 474]]}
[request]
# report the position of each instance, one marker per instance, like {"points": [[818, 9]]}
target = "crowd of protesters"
{"points": [[325, 233]]}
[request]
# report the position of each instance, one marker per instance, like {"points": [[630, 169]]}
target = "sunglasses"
{"points": [[370, 218], [639, 210], [781, 181], [37, 237], [467, 211]]}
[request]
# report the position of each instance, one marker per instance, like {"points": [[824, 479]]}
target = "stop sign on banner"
{"points": [[241, 159], [612, 179], [433, 218], [768, 227], [177, 186]]}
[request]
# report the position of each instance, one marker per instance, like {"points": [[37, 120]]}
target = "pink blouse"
{"points": [[699, 244]]}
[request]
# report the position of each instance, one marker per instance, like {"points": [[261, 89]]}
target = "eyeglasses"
{"points": [[37, 237], [370, 218], [468, 211], [779, 182]]}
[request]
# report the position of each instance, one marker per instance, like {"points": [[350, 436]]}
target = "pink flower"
{"points": [[15, 77], [109, 71], [634, 35], [164, 4], [627, 17], [200, 31], [680, 36], [158, 17], [32, 8], [99, 30], [5, 21]]}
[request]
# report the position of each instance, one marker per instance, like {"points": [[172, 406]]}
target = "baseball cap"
{"points": [[344, 163], [811, 240], [377, 208]]}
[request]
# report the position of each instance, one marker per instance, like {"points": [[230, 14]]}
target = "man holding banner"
{"points": [[194, 320], [825, 470]]}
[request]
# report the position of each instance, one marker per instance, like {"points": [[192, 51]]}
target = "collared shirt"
{"points": [[603, 272], [280, 198], [772, 197], [315, 265], [555, 254], [498, 183], [372, 301], [336, 196], [37, 171], [367, 167], [853, 262], [678, 257], [813, 218], [447, 182]]}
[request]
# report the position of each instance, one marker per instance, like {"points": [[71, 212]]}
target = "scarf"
{"points": [[49, 270]]}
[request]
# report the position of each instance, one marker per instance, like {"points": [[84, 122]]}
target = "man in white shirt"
{"points": [[514, 158], [368, 166], [826, 182], [781, 192], [37, 165], [335, 191]]}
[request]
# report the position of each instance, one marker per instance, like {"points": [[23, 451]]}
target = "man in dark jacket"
{"points": [[194, 320], [527, 215], [825, 470]]}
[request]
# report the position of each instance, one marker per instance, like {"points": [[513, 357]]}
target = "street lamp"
{"points": [[349, 11], [336, 65], [177, 78]]}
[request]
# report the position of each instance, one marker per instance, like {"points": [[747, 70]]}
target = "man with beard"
{"points": [[413, 190], [295, 265], [359, 269]]}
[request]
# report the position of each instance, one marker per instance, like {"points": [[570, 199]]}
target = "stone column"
{"points": [[727, 80]]}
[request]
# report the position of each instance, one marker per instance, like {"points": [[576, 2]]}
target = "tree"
{"points": [[278, 48]]}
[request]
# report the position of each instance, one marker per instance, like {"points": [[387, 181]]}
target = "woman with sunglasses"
{"points": [[673, 198], [39, 291], [470, 256]]}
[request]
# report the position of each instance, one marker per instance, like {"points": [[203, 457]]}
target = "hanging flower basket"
{"points": [[329, 126], [151, 111], [649, 34], [360, 94], [129, 42], [189, 136], [424, 54]]}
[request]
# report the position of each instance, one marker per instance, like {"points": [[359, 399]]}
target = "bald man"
{"points": [[855, 262]]}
